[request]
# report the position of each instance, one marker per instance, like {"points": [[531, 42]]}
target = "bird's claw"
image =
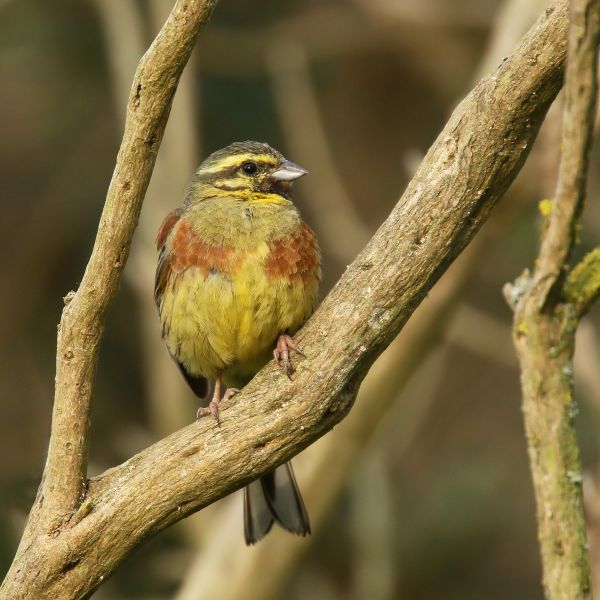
{"points": [[211, 409], [285, 343], [213, 406]]}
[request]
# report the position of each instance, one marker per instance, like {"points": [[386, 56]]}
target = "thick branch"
{"points": [[544, 331], [462, 177]]}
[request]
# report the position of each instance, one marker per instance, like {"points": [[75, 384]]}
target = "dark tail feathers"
{"points": [[274, 498]]}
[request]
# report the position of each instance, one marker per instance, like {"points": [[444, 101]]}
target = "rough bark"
{"points": [[546, 317], [64, 484], [464, 174]]}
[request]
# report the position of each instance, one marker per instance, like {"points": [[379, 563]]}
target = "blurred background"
{"points": [[424, 491]]}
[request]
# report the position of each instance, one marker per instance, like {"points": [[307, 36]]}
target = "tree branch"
{"points": [[82, 323], [461, 179], [546, 317], [83, 318], [577, 134]]}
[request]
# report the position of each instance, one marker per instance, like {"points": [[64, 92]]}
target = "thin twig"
{"points": [[544, 331], [577, 135]]}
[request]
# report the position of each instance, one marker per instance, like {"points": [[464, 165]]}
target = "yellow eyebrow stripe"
{"points": [[238, 159]]}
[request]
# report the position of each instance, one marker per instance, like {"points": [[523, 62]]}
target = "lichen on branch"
{"points": [[582, 286], [547, 307]]}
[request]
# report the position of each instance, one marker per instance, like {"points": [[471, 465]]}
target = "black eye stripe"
{"points": [[234, 170]]}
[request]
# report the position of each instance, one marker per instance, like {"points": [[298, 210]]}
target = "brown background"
{"points": [[440, 504]]}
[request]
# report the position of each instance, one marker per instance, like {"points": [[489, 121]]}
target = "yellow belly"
{"points": [[221, 324]]}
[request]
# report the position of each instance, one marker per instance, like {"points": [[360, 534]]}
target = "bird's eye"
{"points": [[249, 167]]}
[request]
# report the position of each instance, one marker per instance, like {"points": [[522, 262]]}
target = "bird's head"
{"points": [[247, 170]]}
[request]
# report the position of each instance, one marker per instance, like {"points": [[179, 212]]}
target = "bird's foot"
{"points": [[213, 406], [285, 343]]}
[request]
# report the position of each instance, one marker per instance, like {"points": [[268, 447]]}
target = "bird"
{"points": [[238, 274]]}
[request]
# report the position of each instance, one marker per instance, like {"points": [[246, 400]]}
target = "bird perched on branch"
{"points": [[238, 274]]}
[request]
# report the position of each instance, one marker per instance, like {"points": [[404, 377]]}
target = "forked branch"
{"points": [[547, 313]]}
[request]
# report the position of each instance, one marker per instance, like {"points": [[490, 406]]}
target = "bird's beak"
{"points": [[288, 171]]}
